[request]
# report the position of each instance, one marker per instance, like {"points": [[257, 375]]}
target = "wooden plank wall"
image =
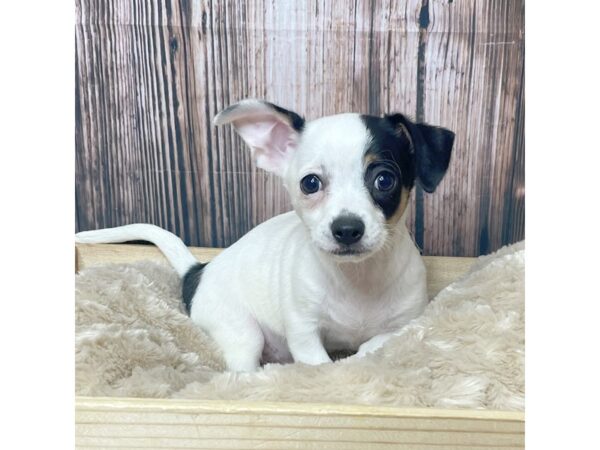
{"points": [[151, 74]]}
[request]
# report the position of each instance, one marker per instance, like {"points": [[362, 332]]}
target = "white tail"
{"points": [[170, 245]]}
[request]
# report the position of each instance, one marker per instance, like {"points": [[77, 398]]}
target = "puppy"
{"points": [[340, 271]]}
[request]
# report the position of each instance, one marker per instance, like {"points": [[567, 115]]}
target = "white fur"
{"points": [[279, 293], [275, 284], [172, 247]]}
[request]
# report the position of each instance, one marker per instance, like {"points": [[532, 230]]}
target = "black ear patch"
{"points": [[296, 121], [224, 117], [432, 148]]}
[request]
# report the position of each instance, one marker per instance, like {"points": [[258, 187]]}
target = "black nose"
{"points": [[347, 229]]}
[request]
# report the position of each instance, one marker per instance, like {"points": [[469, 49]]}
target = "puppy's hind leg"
{"points": [[242, 350], [238, 335]]}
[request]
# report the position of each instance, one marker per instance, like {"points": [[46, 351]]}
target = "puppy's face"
{"points": [[349, 182], [349, 175]]}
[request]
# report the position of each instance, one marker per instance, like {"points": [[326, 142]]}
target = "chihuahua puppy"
{"points": [[338, 272]]}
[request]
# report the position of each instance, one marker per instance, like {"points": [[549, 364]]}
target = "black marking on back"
{"points": [[389, 150], [190, 283]]}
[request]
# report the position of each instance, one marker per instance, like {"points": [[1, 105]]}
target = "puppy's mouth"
{"points": [[349, 252], [353, 253]]}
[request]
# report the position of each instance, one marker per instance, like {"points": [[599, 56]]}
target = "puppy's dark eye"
{"points": [[310, 184], [385, 181]]}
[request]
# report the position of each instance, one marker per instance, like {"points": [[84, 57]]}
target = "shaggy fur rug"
{"points": [[465, 351]]}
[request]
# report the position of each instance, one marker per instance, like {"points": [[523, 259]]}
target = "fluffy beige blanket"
{"points": [[465, 351]]}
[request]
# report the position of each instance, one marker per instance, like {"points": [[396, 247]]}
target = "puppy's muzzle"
{"points": [[348, 229]]}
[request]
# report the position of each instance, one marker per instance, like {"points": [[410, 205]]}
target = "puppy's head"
{"points": [[349, 175]]}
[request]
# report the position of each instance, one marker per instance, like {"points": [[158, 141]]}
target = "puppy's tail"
{"points": [[170, 245]]}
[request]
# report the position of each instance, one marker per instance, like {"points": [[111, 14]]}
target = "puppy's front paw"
{"points": [[313, 360], [353, 357], [372, 344], [362, 352]]}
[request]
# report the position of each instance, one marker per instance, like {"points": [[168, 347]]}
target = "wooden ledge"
{"points": [[441, 270]]}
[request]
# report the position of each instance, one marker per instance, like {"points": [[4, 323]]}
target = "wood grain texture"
{"points": [[441, 270], [157, 423], [150, 76], [474, 84]]}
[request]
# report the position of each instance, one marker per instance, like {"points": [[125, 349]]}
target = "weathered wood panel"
{"points": [[473, 80], [150, 75]]}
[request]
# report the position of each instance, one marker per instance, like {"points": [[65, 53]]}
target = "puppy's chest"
{"points": [[348, 320]]}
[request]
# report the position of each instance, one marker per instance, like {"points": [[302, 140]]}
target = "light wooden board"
{"points": [[441, 270], [158, 423], [151, 74]]}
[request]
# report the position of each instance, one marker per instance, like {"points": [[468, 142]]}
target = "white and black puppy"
{"points": [[340, 271]]}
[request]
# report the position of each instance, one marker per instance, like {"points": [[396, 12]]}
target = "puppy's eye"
{"points": [[310, 184], [385, 181]]}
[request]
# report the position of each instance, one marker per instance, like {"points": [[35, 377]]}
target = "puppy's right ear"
{"points": [[432, 147], [270, 131]]}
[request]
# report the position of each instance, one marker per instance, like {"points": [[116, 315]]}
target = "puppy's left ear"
{"points": [[432, 147], [270, 131]]}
